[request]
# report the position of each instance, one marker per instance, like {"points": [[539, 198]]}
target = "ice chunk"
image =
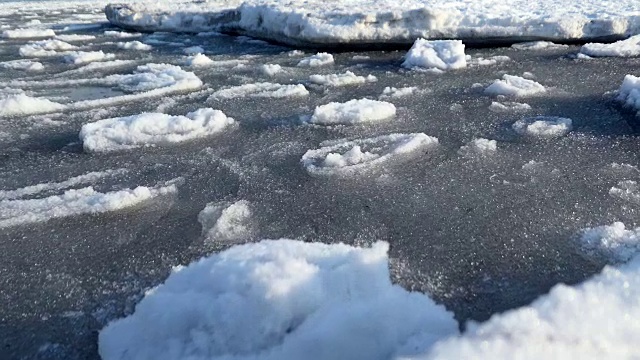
{"points": [[360, 155], [261, 90], [319, 59], [629, 92], [515, 86], [614, 241], [480, 146], [84, 57], [121, 34], [154, 76], [150, 129], [44, 48], [198, 60], [25, 65], [270, 69], [348, 78], [278, 300], [21, 104], [436, 54], [74, 37], [134, 45], [543, 126], [493, 60], [352, 112], [74, 202], [392, 92], [509, 106], [227, 222], [28, 33], [624, 48], [193, 50]]}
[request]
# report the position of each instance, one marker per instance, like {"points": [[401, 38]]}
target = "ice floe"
{"points": [[261, 90], [227, 222], [509, 106], [479, 146], [281, 300], [134, 45], [623, 48], [354, 111], [44, 48], [151, 129], [75, 202], [121, 34], [319, 59], [511, 85], [390, 92], [348, 78], [629, 92], [270, 69], [347, 157], [24, 65], [22, 104], [85, 57], [614, 241], [74, 37], [436, 54], [198, 60], [543, 126], [28, 33]]}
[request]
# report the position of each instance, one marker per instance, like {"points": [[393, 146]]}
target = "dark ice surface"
{"points": [[479, 235]]}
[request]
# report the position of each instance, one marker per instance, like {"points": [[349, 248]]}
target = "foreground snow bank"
{"points": [[149, 129], [348, 157], [352, 112], [368, 22], [279, 300], [438, 54]]}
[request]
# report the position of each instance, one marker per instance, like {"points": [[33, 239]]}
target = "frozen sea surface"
{"points": [[480, 232]]}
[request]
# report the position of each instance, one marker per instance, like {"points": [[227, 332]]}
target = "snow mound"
{"points": [[24, 65], [543, 126], [319, 59], [347, 157], [227, 222], [480, 146], [85, 57], [261, 90], [74, 202], [352, 112], [150, 129], [280, 300], [436, 54], [614, 241], [393, 92], [270, 69], [536, 45], [348, 78], [629, 92], [28, 33], [134, 45], [198, 60], [515, 86], [366, 22], [509, 106], [21, 104], [623, 48], [44, 48]]}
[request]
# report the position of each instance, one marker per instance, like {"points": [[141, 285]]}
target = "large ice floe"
{"points": [[281, 300], [348, 157], [543, 126], [437, 54], [511, 85], [366, 22], [352, 112], [150, 129]]}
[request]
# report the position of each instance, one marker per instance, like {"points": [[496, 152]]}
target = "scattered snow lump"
{"points": [[480, 146], [348, 78], [150, 129], [624, 48], [24, 65], [493, 60], [393, 92], [319, 59], [261, 90], [28, 33], [278, 300], [629, 92], [614, 241], [270, 69], [543, 126], [360, 155], [198, 60], [74, 37], [74, 202], [134, 45], [352, 112], [509, 106], [21, 104], [436, 54], [226, 221], [155, 76], [514, 86], [84, 57]]}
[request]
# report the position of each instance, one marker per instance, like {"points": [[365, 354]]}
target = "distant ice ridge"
{"points": [[226, 221], [28, 33], [22, 104], [352, 112], [511, 85], [261, 90], [151, 129], [279, 300], [348, 157], [75, 202], [368, 22], [436, 54], [543, 126], [629, 93], [348, 78], [624, 48]]}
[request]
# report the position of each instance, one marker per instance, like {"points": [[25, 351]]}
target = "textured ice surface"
{"points": [[515, 86], [352, 112], [134, 45], [21, 104], [436, 54], [624, 48], [227, 222], [279, 300], [543, 126], [348, 78], [150, 129], [349, 157], [261, 90]]}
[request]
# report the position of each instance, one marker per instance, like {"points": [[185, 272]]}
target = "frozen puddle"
{"points": [[75, 202], [360, 155], [352, 112], [261, 90], [151, 129], [545, 127], [278, 300]]}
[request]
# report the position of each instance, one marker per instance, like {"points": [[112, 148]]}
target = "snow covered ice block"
{"points": [[624, 48], [511, 85], [278, 300], [150, 129], [436, 54], [21, 104], [198, 60], [352, 112], [348, 157], [629, 92], [543, 126]]}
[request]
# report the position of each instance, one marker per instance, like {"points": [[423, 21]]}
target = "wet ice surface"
{"points": [[480, 234]]}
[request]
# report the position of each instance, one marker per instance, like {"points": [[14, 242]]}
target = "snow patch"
{"points": [[537, 45], [85, 57], [352, 112], [624, 48], [509, 106], [198, 60], [44, 48], [270, 69], [436, 54], [28, 33], [393, 92], [480, 146], [629, 92], [24, 65], [193, 50], [614, 241]]}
